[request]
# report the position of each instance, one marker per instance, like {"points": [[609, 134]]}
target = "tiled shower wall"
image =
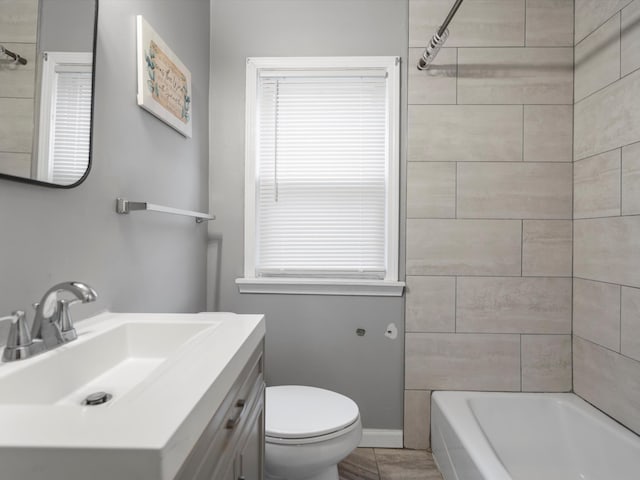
{"points": [[606, 319], [18, 29], [489, 203]]}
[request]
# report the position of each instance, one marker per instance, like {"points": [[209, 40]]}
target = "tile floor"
{"points": [[388, 464]]}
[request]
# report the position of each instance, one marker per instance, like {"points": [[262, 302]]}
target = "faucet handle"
{"points": [[19, 342], [19, 335], [64, 318]]}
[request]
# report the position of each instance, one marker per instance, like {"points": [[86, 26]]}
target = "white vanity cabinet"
{"points": [[232, 444], [187, 401]]}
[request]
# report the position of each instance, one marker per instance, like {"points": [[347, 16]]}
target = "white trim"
{"points": [[250, 169], [381, 438], [387, 65], [318, 286], [393, 188], [324, 63]]}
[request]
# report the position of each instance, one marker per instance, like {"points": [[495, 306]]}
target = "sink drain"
{"points": [[97, 398]]}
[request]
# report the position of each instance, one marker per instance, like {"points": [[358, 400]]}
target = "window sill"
{"points": [[317, 286]]}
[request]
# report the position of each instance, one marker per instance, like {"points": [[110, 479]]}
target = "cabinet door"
{"points": [[251, 456]]}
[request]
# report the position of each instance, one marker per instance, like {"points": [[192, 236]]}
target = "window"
{"points": [[65, 117], [322, 155]]}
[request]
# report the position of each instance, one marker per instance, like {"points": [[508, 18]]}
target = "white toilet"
{"points": [[308, 431]]}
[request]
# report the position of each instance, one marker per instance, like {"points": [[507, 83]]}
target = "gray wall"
{"points": [[140, 262], [310, 339], [65, 25], [606, 287]]}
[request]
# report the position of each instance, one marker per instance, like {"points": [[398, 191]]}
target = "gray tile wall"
{"points": [[18, 27], [489, 187], [606, 302]]}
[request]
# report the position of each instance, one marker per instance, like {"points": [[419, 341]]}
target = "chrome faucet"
{"points": [[52, 325]]}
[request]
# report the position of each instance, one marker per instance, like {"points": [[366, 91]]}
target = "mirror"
{"points": [[46, 102]]}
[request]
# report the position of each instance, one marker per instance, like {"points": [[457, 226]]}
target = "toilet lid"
{"points": [[294, 411]]}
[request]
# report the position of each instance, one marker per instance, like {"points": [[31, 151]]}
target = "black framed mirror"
{"points": [[47, 60]]}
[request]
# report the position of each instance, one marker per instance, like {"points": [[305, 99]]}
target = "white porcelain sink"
{"points": [[112, 360], [167, 373]]}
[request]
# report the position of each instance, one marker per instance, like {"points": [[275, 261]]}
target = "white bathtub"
{"points": [[529, 436]]}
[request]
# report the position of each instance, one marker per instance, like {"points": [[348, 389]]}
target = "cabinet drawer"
{"points": [[215, 448]]}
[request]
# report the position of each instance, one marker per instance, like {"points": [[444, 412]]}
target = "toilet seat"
{"points": [[299, 414]]}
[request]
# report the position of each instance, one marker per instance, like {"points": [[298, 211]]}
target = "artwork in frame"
{"points": [[164, 83]]}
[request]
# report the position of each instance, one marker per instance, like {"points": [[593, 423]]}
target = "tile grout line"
{"points": [[621, 176], [521, 220], [597, 27], [573, 192], [520, 362], [580, 100], [522, 248], [600, 89], [455, 304], [524, 33], [498, 47], [512, 219], [491, 332], [502, 219], [455, 202], [375, 457], [582, 219], [467, 275], [509, 162], [620, 325], [591, 157], [620, 47], [457, 73], [620, 354], [606, 283], [620, 147], [523, 134], [492, 104]]}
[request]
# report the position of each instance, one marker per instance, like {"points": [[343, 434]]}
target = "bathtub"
{"points": [[529, 436]]}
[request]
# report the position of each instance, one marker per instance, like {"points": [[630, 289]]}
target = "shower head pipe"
{"points": [[438, 39]]}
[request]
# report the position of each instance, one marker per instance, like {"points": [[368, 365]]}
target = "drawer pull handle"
{"points": [[233, 422]]}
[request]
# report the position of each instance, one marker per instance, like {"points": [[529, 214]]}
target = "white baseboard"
{"points": [[381, 438]]}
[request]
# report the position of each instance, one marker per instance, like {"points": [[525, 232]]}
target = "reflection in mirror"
{"points": [[45, 104]]}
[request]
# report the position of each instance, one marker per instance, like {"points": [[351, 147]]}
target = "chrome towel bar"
{"points": [[124, 206]]}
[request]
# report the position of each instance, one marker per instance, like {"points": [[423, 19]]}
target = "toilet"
{"points": [[308, 430]]}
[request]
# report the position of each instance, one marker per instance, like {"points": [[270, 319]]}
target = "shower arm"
{"points": [[438, 39], [450, 16]]}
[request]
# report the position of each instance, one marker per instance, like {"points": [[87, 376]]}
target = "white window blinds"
{"points": [[71, 125], [322, 160]]}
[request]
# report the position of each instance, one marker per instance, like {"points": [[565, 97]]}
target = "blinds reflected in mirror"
{"points": [[65, 123]]}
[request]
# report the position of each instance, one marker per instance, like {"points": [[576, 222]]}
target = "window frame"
{"points": [[390, 285]]}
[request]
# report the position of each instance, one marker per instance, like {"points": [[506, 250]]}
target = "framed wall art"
{"points": [[164, 83]]}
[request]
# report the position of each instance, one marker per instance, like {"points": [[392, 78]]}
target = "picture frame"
{"points": [[164, 82]]}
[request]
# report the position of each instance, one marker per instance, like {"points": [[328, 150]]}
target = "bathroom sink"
{"points": [[114, 360], [167, 374]]}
